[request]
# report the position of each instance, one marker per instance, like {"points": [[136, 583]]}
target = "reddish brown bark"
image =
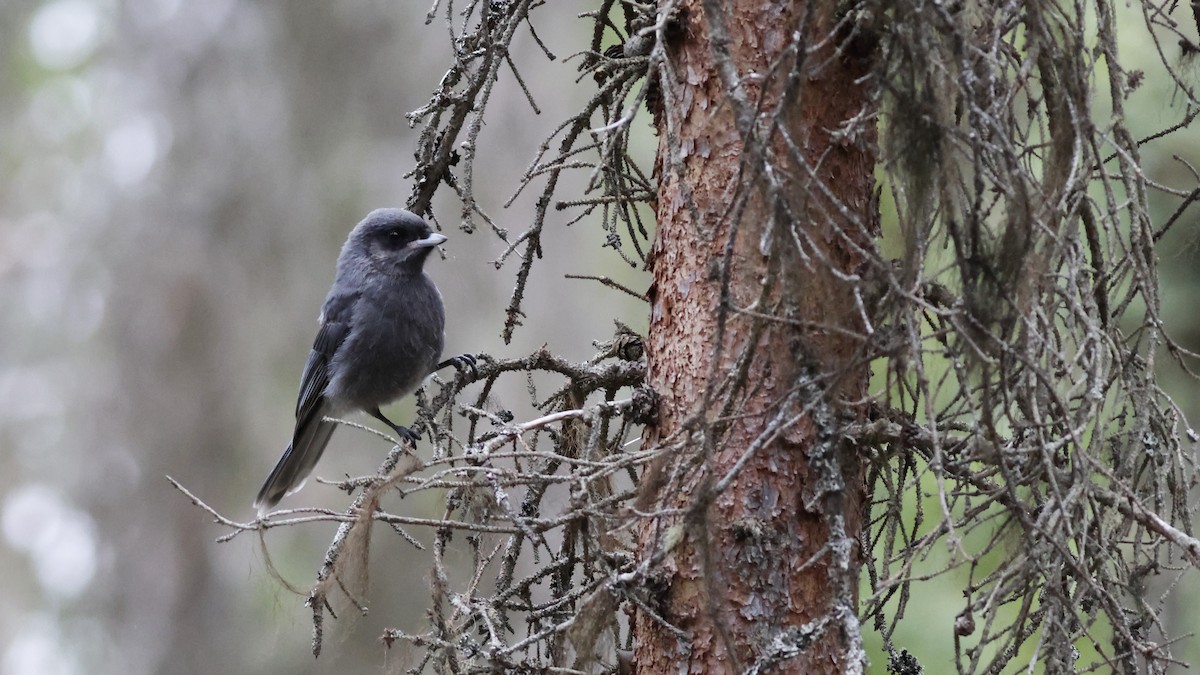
{"points": [[736, 574]]}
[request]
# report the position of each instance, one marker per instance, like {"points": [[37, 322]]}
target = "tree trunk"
{"points": [[753, 342]]}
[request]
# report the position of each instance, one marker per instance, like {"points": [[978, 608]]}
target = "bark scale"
{"points": [[751, 344]]}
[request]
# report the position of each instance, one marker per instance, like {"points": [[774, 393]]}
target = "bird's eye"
{"points": [[394, 234]]}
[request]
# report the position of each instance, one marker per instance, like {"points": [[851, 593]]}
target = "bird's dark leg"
{"points": [[461, 363], [402, 433]]}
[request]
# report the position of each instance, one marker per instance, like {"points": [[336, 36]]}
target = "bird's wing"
{"points": [[335, 326], [311, 434]]}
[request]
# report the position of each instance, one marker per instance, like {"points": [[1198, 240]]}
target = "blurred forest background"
{"points": [[175, 181]]}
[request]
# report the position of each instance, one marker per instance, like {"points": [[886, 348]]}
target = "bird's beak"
{"points": [[434, 239]]}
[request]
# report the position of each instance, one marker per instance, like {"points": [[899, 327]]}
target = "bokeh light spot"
{"points": [[59, 538], [63, 34]]}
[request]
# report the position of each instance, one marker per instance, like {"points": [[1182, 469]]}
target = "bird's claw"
{"points": [[406, 435], [463, 363]]}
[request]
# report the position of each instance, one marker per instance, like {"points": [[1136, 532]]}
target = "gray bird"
{"points": [[380, 336]]}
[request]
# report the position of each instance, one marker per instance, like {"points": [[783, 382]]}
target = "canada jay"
{"points": [[380, 335]]}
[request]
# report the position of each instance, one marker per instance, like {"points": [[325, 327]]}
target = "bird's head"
{"points": [[394, 239]]}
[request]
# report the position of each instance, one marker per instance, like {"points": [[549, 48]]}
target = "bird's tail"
{"points": [[296, 464]]}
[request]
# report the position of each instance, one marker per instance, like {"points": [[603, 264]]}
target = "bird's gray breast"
{"points": [[395, 341]]}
